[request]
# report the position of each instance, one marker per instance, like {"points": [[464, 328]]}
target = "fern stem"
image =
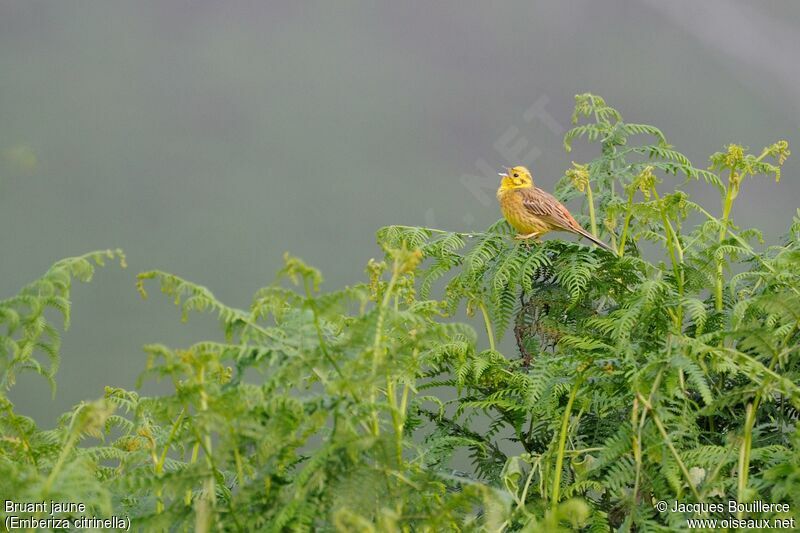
{"points": [[400, 425], [594, 109], [590, 199], [203, 506], [731, 192], [239, 466], [744, 454], [65, 451], [404, 399], [397, 419], [488, 324], [159, 466], [398, 414], [637, 444], [562, 440], [747, 247], [72, 439], [749, 422], [187, 497], [676, 255], [318, 328], [170, 437], [524, 495], [377, 349], [727, 205], [637, 448], [611, 175], [671, 446], [626, 225]]}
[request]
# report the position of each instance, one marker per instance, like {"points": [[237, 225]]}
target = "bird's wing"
{"points": [[545, 205]]}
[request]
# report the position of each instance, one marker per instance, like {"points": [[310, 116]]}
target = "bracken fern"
{"points": [[666, 375]]}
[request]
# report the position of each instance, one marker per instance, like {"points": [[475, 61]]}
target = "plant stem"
{"points": [[488, 324], [730, 193], [400, 421], [637, 449], [628, 213], [749, 422], [676, 255], [744, 453], [187, 498], [377, 349], [590, 199], [524, 495], [318, 327], [397, 419], [65, 451], [562, 440], [747, 247], [203, 506], [671, 446], [159, 466]]}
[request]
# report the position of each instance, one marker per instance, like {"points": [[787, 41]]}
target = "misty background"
{"points": [[207, 138]]}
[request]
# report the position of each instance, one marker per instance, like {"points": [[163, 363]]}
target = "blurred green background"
{"points": [[207, 138]]}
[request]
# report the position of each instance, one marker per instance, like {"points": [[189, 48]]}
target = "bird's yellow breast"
{"points": [[515, 212]]}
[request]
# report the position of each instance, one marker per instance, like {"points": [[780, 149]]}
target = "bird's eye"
{"points": [[516, 175]]}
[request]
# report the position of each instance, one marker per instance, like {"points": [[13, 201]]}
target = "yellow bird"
{"points": [[532, 211]]}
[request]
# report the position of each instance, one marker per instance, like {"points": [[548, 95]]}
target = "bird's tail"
{"points": [[595, 240]]}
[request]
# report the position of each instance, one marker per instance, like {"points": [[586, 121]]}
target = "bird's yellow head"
{"points": [[516, 178]]}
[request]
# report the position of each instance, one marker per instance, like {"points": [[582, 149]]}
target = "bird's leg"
{"points": [[526, 239]]}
